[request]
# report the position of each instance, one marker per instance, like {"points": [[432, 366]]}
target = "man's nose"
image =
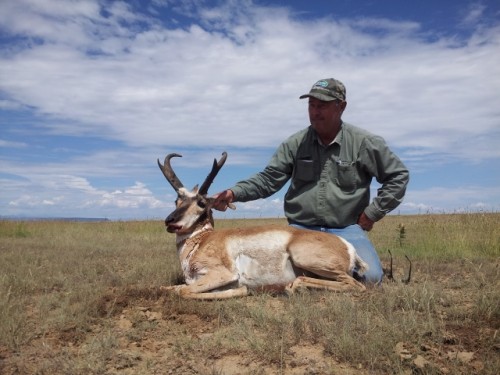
{"points": [[313, 111]]}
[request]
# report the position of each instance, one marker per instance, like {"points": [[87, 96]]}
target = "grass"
{"points": [[84, 298]]}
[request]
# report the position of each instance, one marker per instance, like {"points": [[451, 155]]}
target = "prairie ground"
{"points": [[84, 298]]}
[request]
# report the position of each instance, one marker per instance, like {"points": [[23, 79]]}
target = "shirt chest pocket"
{"points": [[305, 170], [346, 176]]}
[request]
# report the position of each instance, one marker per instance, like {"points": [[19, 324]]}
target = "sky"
{"points": [[93, 92]]}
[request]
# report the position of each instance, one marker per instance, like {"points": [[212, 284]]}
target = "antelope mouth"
{"points": [[173, 228]]}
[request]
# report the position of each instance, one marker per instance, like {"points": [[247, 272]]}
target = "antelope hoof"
{"points": [[290, 289], [171, 289]]}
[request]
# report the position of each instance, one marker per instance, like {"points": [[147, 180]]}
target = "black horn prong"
{"points": [[169, 173], [213, 173], [407, 280], [389, 273]]}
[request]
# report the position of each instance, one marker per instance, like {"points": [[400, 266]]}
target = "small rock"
{"points": [[444, 302], [401, 351], [152, 315], [124, 324], [464, 357], [425, 348], [420, 362]]}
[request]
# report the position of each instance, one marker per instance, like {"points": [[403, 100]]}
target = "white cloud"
{"points": [[137, 197], [259, 208], [192, 86], [72, 196], [448, 200], [10, 105], [230, 79], [10, 144], [473, 14]]}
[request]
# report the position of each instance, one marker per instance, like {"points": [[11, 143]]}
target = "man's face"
{"points": [[325, 114]]}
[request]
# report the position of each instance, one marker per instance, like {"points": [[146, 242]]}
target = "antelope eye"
{"points": [[202, 204]]}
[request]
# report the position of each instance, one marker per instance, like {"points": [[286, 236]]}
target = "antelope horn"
{"points": [[407, 280], [213, 173], [389, 273], [169, 173]]}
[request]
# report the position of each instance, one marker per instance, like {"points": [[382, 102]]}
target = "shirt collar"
{"points": [[338, 138]]}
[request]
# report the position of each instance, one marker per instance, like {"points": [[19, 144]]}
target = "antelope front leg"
{"points": [[224, 294], [204, 287]]}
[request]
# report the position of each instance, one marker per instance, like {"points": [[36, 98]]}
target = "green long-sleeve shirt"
{"points": [[330, 185]]}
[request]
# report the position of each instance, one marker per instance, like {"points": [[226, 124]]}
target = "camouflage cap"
{"points": [[327, 90]]}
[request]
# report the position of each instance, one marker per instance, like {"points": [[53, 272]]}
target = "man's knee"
{"points": [[373, 276]]}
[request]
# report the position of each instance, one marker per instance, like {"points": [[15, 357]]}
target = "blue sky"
{"points": [[93, 92]]}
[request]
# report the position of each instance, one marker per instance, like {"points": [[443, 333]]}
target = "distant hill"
{"points": [[80, 219]]}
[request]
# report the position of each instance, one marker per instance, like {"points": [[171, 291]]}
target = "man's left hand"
{"points": [[365, 222]]}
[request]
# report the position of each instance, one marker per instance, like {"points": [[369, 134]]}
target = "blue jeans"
{"points": [[365, 249]]}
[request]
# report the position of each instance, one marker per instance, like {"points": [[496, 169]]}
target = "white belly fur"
{"points": [[262, 260]]}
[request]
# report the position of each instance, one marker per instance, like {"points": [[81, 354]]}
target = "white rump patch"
{"points": [[352, 254]]}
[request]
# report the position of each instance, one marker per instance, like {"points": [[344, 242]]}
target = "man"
{"points": [[331, 165]]}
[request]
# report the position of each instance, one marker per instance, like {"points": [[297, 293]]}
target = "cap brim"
{"points": [[324, 98]]}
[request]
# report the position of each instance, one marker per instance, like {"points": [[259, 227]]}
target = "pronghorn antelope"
{"points": [[227, 263]]}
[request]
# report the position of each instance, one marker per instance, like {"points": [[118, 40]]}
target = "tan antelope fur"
{"points": [[228, 263]]}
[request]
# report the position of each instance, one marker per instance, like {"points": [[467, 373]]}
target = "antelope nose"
{"points": [[170, 218]]}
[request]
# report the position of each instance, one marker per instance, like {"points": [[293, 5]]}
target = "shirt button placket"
{"points": [[322, 193]]}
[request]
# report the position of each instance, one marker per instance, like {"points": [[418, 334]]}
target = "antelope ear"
{"points": [[195, 189]]}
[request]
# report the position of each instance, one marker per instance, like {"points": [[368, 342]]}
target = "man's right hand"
{"points": [[223, 200], [365, 222]]}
